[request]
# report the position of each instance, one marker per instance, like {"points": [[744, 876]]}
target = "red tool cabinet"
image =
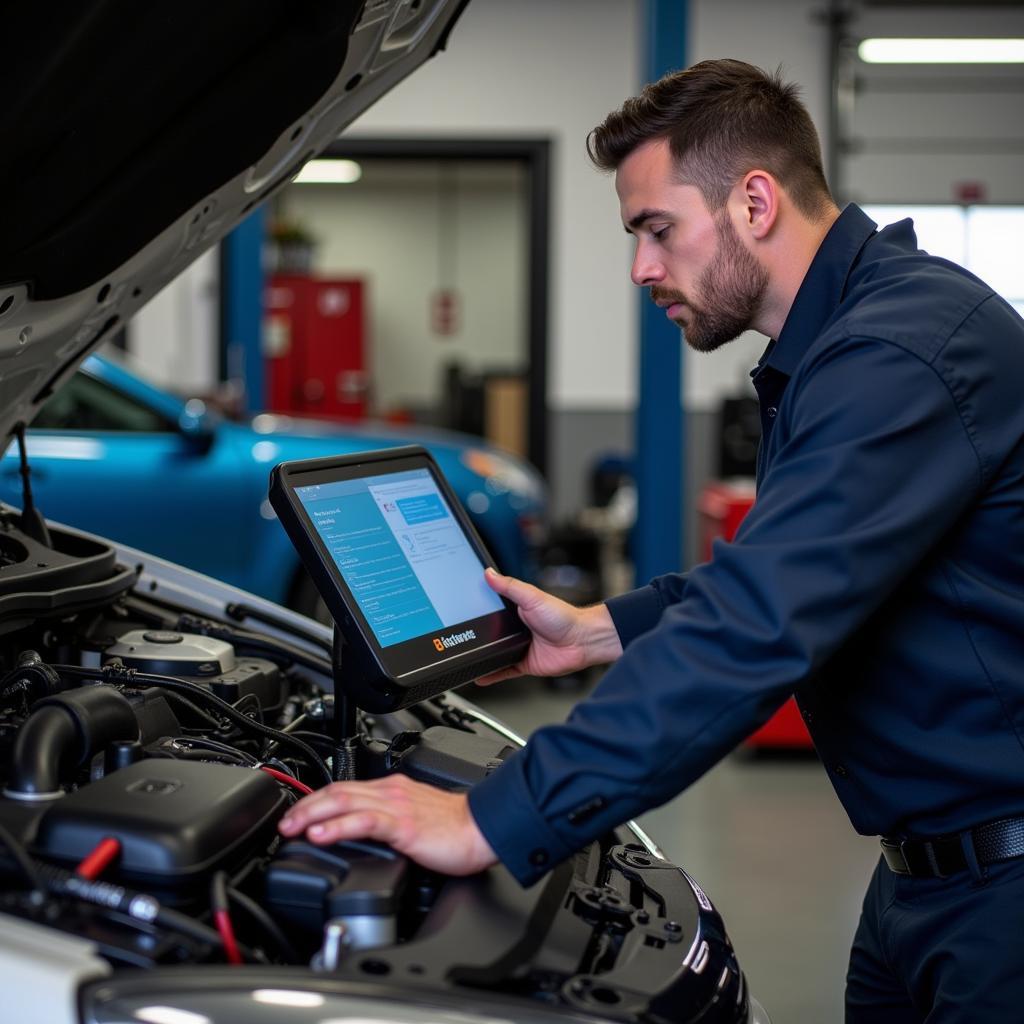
{"points": [[721, 507], [314, 343]]}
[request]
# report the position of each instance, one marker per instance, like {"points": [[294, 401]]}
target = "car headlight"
{"points": [[504, 474]]}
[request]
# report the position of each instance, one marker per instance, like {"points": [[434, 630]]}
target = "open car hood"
{"points": [[137, 135]]}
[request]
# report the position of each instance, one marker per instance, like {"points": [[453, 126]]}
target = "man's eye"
{"points": [[659, 233]]}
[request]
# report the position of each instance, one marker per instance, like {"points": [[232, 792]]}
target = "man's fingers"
{"points": [[492, 678], [433, 826], [499, 675], [516, 591], [338, 798], [344, 811], [361, 824]]}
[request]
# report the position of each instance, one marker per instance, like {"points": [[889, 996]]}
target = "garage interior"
{"points": [[489, 262]]}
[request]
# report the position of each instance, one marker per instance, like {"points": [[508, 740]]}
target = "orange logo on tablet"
{"points": [[442, 643]]}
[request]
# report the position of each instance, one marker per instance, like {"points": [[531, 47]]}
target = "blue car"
{"points": [[112, 453]]}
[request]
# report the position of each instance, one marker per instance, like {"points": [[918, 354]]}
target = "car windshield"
{"points": [[87, 403]]}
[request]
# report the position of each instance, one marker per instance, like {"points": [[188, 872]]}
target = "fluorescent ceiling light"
{"points": [[942, 51], [169, 1015], [329, 172], [287, 997]]}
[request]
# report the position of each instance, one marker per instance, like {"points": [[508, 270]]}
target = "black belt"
{"points": [[944, 855]]}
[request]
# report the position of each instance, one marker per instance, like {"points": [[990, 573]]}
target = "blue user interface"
{"points": [[401, 552]]}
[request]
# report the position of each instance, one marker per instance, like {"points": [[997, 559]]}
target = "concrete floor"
{"points": [[769, 843]]}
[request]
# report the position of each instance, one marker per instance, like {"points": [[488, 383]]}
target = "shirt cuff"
{"points": [[635, 612], [503, 809]]}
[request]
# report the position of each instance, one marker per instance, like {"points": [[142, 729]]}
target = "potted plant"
{"points": [[289, 248]]}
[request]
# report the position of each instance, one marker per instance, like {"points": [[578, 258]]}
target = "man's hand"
{"points": [[431, 826], [565, 638]]}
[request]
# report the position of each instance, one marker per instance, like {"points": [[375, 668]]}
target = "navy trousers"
{"points": [[940, 950]]}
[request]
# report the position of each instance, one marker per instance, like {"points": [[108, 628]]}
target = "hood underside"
{"points": [[137, 135]]}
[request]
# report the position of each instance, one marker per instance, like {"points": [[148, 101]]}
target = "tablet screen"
{"points": [[401, 570], [402, 554]]}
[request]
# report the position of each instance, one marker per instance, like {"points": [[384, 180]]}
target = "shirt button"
{"points": [[772, 412], [538, 858], [840, 770]]}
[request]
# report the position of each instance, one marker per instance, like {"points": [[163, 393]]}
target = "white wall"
{"points": [[387, 233], [173, 338]]}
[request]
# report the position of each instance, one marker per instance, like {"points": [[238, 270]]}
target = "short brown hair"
{"points": [[721, 118]]}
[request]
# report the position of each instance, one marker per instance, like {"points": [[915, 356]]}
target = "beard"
{"points": [[731, 290]]}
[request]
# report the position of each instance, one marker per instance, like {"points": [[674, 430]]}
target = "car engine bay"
{"points": [[149, 750]]}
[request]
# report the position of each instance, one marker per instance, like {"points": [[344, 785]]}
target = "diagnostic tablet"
{"points": [[401, 570]]}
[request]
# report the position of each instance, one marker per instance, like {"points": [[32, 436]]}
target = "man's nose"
{"points": [[646, 269]]}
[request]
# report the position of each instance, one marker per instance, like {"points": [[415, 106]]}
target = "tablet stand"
{"points": [[346, 719]]}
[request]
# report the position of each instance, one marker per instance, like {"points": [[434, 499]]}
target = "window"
{"points": [[987, 240], [85, 403]]}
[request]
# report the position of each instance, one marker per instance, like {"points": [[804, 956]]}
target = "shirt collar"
{"points": [[821, 290]]}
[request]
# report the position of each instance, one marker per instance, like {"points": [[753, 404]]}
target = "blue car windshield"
{"points": [[87, 403]]}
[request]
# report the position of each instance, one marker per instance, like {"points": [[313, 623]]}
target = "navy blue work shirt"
{"points": [[879, 576]]}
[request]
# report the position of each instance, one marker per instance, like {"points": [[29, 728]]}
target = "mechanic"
{"points": [[879, 575]]}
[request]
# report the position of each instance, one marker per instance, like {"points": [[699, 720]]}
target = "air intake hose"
{"points": [[64, 732]]}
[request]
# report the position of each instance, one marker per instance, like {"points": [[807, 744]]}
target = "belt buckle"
{"points": [[912, 857], [895, 856]]}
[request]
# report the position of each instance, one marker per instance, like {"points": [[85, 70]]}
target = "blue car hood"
{"points": [[277, 438], [370, 433]]}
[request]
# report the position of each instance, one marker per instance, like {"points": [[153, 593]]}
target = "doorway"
{"points": [[447, 242]]}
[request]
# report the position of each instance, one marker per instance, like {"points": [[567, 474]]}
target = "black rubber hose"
{"points": [[267, 923], [21, 858], [176, 700], [63, 732], [117, 672], [29, 681], [139, 906], [44, 748], [203, 744]]}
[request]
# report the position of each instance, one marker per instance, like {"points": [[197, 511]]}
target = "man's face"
{"points": [[694, 263]]}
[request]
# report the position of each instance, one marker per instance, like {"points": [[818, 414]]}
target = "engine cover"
{"points": [[176, 820]]}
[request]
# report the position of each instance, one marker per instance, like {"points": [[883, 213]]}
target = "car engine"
{"points": [[155, 726]]}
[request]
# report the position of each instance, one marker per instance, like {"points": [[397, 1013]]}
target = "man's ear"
{"points": [[757, 197]]}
